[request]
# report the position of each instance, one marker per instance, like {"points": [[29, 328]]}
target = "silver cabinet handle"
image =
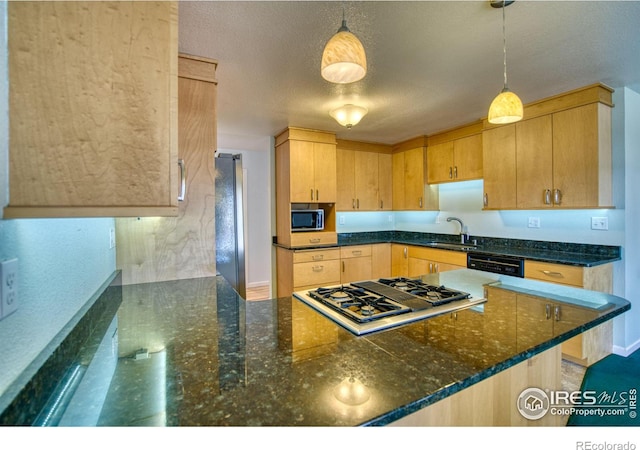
{"points": [[183, 180], [450, 173], [557, 196], [404, 252], [317, 257], [356, 252], [485, 199], [430, 267], [317, 268], [314, 241], [436, 268], [358, 203], [547, 196], [342, 266], [311, 194], [317, 195], [455, 171], [381, 205], [420, 202], [556, 313], [547, 311], [353, 203]]}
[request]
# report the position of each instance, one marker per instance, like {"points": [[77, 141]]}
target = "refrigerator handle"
{"points": [[183, 180]]}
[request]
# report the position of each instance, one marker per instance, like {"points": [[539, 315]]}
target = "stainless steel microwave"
{"points": [[307, 220]]}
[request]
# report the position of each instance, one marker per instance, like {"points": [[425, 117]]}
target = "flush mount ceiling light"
{"points": [[343, 58], [507, 106], [348, 115]]}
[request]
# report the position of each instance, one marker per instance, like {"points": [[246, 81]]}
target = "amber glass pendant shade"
{"points": [[343, 59], [505, 108]]}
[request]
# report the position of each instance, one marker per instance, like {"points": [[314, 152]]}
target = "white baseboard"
{"points": [[626, 351]]}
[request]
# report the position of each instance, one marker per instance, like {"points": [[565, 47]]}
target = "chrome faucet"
{"points": [[464, 235]]}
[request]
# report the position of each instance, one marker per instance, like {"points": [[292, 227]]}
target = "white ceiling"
{"points": [[432, 65]]}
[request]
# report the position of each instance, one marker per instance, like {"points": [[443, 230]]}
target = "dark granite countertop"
{"points": [[192, 352], [585, 255]]}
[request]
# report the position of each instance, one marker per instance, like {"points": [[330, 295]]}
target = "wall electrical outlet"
{"points": [[112, 237], [8, 287], [534, 222], [599, 223], [341, 220]]}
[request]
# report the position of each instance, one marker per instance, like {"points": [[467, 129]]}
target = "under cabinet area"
{"points": [[364, 176], [558, 157], [455, 155], [93, 112]]}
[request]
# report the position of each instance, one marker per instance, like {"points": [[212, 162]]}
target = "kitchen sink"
{"points": [[452, 246]]}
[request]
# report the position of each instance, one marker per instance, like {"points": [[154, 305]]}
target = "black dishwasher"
{"points": [[504, 265]]}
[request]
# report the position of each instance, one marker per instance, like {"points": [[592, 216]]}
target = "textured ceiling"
{"points": [[431, 65]]}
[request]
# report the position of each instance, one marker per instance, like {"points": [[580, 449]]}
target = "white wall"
{"points": [[629, 338]]}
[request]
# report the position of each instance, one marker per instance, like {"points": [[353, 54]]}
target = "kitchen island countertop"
{"points": [[194, 353]]}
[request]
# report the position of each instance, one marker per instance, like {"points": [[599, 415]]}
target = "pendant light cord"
{"points": [[504, 43]]}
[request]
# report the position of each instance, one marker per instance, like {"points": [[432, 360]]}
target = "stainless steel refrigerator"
{"points": [[230, 221]]}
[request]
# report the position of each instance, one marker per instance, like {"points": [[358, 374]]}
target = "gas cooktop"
{"points": [[367, 306]]}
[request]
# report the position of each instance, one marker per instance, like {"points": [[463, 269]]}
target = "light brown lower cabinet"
{"points": [[493, 401], [595, 343]]}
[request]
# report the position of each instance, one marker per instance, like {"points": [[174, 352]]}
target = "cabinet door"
{"points": [[324, 162], [499, 167], [397, 181], [346, 188], [380, 261], [366, 181], [440, 163], [534, 314], [399, 260], [302, 172], [355, 269], [534, 155], [385, 182], [93, 105], [576, 164], [414, 181], [467, 158]]}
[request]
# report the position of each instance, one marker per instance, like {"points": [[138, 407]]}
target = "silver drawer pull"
{"points": [[556, 313], [557, 196], [317, 257], [314, 241], [356, 252], [547, 311], [547, 196], [485, 199], [317, 268]]}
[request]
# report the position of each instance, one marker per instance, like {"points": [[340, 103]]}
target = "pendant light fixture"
{"points": [[343, 58], [507, 106], [348, 115]]}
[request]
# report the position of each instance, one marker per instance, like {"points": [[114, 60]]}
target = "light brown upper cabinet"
{"points": [[410, 189], [363, 176], [561, 154], [305, 178], [93, 117], [455, 155]]}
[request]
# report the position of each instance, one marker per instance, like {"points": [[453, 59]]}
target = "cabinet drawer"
{"points": [[438, 255], [307, 239], [355, 251], [554, 273], [316, 273], [316, 255]]}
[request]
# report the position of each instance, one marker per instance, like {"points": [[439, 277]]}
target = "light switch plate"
{"points": [[534, 222]]}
